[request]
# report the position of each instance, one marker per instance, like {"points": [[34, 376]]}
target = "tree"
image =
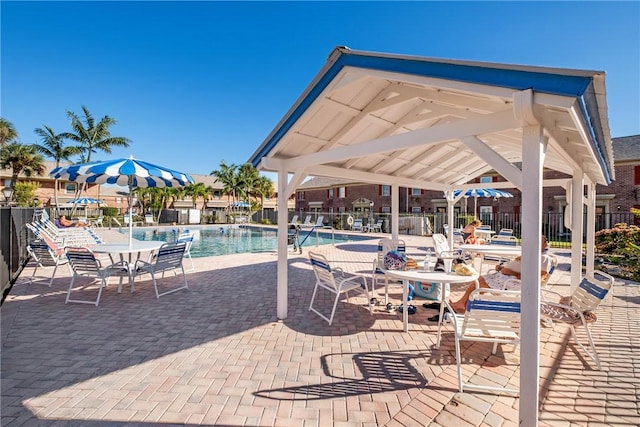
{"points": [[247, 177], [228, 177], [92, 136], [25, 194], [263, 187], [7, 131], [195, 191], [53, 146], [21, 158]]}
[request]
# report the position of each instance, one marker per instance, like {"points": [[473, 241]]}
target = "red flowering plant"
{"points": [[620, 248]]}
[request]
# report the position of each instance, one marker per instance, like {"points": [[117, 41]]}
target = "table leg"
{"points": [[405, 305], [441, 317]]}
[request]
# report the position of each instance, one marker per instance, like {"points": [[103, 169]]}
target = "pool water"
{"points": [[225, 240]]}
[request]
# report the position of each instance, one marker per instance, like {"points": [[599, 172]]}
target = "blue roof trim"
{"points": [[597, 148], [574, 86]]}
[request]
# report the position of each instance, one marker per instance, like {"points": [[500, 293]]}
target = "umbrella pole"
{"points": [[130, 213]]}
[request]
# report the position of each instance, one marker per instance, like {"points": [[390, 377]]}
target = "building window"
{"points": [[636, 175], [486, 179], [341, 209], [386, 209], [385, 190], [416, 209], [70, 188], [416, 192], [300, 195], [330, 193], [342, 192]]}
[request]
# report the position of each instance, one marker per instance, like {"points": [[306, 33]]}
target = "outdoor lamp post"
{"points": [[7, 192], [371, 213]]}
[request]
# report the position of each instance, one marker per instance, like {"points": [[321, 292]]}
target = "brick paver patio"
{"points": [[217, 355]]}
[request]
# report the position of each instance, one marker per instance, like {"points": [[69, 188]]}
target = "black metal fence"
{"points": [[13, 245], [553, 223]]}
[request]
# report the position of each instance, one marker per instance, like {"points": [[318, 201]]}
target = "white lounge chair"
{"points": [[376, 227], [357, 225], [307, 222], [44, 256]]}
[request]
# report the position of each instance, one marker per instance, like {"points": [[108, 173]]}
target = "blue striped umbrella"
{"points": [[86, 201], [482, 192], [129, 172]]}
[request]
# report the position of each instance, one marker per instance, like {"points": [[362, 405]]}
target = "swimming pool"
{"points": [[225, 240]]}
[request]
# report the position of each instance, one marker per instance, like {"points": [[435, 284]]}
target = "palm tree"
{"points": [[21, 158], [195, 191], [53, 146], [247, 177], [263, 187], [92, 136], [7, 131], [227, 175]]}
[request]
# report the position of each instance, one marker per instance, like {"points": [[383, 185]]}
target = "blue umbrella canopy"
{"points": [[241, 205], [482, 192], [86, 201], [129, 172]]}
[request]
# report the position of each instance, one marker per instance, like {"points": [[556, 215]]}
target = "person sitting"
{"points": [[63, 222], [507, 276], [469, 233]]}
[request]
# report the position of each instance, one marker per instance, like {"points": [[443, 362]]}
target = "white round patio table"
{"points": [[439, 277], [136, 247]]}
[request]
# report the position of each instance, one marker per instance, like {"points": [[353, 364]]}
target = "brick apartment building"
{"points": [[335, 196]]}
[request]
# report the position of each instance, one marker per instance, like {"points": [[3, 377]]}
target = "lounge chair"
{"points": [[148, 219], [294, 220], [307, 222], [357, 225]]}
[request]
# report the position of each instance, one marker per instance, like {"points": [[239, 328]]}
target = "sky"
{"points": [[194, 83]]}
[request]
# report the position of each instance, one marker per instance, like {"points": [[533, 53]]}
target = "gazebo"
{"points": [[438, 124]]}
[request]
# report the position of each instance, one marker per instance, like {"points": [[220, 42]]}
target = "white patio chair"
{"points": [[188, 239], [307, 222], [294, 220], [327, 280], [45, 257], [578, 308], [168, 258], [357, 225], [505, 232], [376, 227], [441, 245], [492, 316], [83, 263], [384, 246], [148, 219]]}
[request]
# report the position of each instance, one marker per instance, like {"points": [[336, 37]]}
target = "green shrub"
{"points": [[620, 246]]}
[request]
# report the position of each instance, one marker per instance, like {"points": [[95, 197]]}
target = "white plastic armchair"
{"points": [[441, 245], [578, 308], [337, 284]]}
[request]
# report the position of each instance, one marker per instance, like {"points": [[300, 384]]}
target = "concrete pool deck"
{"points": [[217, 355]]}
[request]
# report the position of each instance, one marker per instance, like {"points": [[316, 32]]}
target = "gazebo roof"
{"points": [[437, 124]]}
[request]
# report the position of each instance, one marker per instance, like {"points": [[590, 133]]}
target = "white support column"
{"points": [[283, 220], [450, 204], [591, 226], [577, 227], [533, 152], [395, 208]]}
